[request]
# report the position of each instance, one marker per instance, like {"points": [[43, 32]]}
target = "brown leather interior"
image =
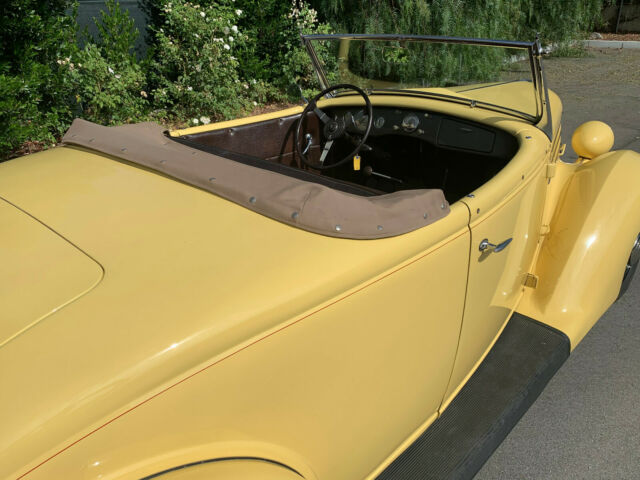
{"points": [[270, 140], [446, 153]]}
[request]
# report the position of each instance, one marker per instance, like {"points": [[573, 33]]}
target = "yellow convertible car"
{"points": [[375, 285]]}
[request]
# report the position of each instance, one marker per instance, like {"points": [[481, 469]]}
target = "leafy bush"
{"points": [[34, 89], [195, 70], [273, 51], [296, 66], [108, 81]]}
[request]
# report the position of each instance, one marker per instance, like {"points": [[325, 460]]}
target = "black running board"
{"points": [[497, 395]]}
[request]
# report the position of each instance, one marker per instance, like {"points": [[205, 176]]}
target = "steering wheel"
{"points": [[334, 128]]}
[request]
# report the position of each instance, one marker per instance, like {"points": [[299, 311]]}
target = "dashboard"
{"points": [[414, 149], [437, 129]]}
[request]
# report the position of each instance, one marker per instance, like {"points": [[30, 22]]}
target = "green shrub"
{"points": [[35, 90], [296, 65], [193, 73], [108, 81], [195, 70], [273, 51]]}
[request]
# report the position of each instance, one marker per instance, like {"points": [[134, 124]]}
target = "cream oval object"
{"points": [[592, 139]]}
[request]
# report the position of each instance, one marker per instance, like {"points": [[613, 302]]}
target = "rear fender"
{"points": [[582, 258]]}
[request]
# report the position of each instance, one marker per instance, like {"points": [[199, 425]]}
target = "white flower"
{"points": [[202, 14], [255, 104], [189, 89], [231, 39], [226, 47], [238, 12], [253, 80], [205, 120], [60, 62], [226, 30], [194, 121], [245, 86], [117, 76], [143, 94], [196, 35], [111, 70], [234, 29]]}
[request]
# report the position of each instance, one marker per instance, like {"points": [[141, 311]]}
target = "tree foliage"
{"points": [[555, 20]]}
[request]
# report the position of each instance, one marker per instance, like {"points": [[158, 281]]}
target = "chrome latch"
{"points": [[487, 245]]}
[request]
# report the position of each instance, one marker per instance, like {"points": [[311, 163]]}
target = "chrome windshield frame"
{"points": [[533, 49]]}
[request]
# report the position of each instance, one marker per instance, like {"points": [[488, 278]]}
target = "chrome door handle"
{"points": [[486, 245]]}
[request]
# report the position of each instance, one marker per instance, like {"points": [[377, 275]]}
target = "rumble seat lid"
{"points": [[296, 202], [41, 272]]}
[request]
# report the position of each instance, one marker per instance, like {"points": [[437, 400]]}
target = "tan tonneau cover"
{"points": [[299, 203]]}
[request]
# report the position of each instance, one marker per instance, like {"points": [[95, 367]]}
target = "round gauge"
{"points": [[361, 120], [379, 122], [410, 122]]}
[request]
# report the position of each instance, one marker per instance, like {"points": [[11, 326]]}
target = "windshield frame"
{"points": [[533, 50]]}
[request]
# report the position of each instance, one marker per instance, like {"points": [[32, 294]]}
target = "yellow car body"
{"points": [[149, 325]]}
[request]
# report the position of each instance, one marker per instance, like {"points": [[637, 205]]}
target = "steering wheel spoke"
{"points": [[325, 151], [333, 129], [324, 118]]}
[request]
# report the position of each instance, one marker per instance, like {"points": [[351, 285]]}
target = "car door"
{"points": [[505, 221]]}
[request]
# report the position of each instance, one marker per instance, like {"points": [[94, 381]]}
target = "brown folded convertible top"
{"points": [[307, 205]]}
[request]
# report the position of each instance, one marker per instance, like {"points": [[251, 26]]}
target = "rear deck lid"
{"points": [[40, 272]]}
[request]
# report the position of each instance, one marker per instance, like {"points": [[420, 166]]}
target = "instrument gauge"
{"points": [[410, 123], [379, 122], [361, 120]]}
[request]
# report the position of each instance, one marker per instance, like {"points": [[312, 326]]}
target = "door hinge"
{"points": [[544, 230], [551, 170], [531, 280]]}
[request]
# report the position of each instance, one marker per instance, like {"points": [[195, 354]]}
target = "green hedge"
{"points": [[212, 60], [34, 91]]}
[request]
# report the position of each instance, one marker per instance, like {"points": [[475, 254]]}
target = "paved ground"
{"points": [[586, 424]]}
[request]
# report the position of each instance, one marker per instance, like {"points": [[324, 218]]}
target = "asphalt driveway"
{"points": [[586, 424]]}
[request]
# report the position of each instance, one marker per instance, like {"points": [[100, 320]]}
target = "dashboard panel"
{"points": [[414, 149], [434, 128]]}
